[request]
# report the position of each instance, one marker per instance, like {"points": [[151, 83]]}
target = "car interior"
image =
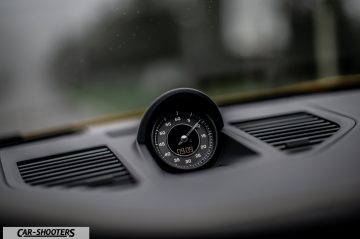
{"points": [[181, 119]]}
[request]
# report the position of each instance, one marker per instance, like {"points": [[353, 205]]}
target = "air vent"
{"points": [[291, 132], [91, 167]]}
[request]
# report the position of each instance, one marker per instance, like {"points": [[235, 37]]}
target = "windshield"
{"points": [[65, 61]]}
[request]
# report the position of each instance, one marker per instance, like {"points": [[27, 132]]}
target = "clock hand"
{"points": [[184, 138]]}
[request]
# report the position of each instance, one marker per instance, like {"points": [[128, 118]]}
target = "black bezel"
{"points": [[164, 164], [183, 99]]}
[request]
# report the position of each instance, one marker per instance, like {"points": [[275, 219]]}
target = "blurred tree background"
{"points": [[64, 61]]}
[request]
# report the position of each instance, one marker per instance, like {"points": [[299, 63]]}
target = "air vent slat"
{"points": [[90, 167], [61, 181], [71, 174], [272, 119], [84, 180], [280, 133], [65, 164], [286, 127], [289, 129], [292, 133], [62, 171], [301, 135], [50, 161], [311, 139], [283, 122]]}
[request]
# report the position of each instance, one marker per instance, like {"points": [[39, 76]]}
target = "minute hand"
{"points": [[190, 131]]}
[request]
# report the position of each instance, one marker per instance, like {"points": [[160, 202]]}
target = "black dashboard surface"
{"points": [[252, 188]]}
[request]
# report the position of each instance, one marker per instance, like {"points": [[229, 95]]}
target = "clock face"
{"points": [[184, 140]]}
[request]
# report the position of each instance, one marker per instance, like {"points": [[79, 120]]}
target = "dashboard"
{"points": [[188, 167]]}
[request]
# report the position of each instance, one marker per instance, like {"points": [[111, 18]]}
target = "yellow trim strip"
{"points": [[321, 85]]}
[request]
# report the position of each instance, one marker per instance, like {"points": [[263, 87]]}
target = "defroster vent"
{"points": [[90, 167], [291, 132]]}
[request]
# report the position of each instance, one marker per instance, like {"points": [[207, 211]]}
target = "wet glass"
{"points": [[65, 61]]}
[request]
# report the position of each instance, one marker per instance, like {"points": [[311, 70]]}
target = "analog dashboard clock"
{"points": [[181, 130], [184, 140]]}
